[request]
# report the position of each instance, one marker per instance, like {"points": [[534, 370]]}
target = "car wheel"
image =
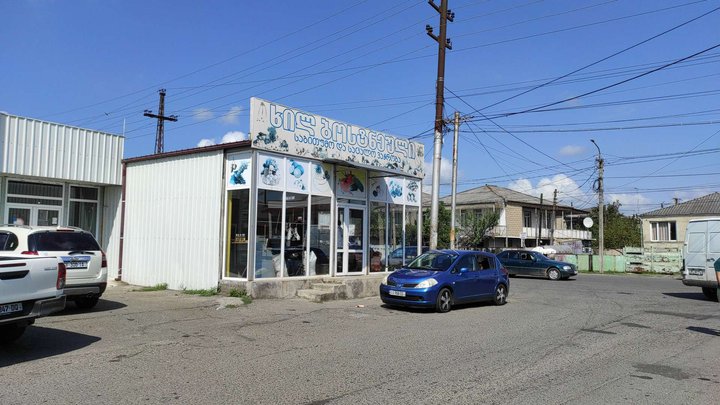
{"points": [[500, 294], [553, 274], [444, 300], [87, 302], [10, 333], [710, 293]]}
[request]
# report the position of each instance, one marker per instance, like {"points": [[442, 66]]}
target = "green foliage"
{"points": [[620, 230], [156, 287], [476, 229], [443, 238], [242, 294], [204, 293]]}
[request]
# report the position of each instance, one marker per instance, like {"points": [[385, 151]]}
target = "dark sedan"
{"points": [[529, 263]]}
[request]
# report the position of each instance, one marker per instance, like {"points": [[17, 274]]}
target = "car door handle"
{"points": [[711, 259]]}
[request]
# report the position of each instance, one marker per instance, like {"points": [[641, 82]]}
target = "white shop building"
{"points": [[59, 175], [306, 197]]}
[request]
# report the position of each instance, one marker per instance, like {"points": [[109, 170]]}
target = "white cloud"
{"points": [[567, 190], [205, 142], [571, 150], [445, 172], [202, 114], [631, 203], [232, 116], [234, 136]]}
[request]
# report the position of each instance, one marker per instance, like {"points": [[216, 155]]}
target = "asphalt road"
{"points": [[597, 339]]}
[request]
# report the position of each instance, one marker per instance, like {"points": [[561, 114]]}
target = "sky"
{"points": [[535, 81]]}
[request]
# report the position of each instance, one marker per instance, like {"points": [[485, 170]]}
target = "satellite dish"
{"points": [[588, 222]]}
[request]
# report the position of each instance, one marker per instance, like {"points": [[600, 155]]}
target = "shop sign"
{"points": [[238, 171], [321, 178], [271, 172], [396, 190], [277, 128]]}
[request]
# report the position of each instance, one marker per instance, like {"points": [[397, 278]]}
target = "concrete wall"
{"points": [[680, 226], [514, 220]]}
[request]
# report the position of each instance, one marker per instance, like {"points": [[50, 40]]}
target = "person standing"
{"points": [[717, 276]]}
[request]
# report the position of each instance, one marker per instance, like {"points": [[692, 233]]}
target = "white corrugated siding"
{"points": [[173, 215], [44, 149], [110, 238]]}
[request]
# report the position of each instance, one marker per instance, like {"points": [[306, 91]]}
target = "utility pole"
{"points": [[456, 121], [539, 232], [443, 43], [601, 207], [552, 224], [454, 179], [161, 118]]}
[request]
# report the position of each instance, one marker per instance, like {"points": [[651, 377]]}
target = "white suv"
{"points": [[84, 259]]}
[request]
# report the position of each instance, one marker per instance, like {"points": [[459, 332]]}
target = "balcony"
{"points": [[575, 234]]}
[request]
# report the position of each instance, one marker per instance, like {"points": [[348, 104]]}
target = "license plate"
{"points": [[10, 308], [696, 272], [76, 265], [397, 293]]}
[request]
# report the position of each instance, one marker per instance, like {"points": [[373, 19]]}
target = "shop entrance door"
{"points": [[350, 253], [32, 215]]}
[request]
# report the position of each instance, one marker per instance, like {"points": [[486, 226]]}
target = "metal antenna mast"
{"points": [[161, 118]]}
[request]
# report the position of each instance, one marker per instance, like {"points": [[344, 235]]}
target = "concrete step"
{"points": [[317, 295], [333, 287]]}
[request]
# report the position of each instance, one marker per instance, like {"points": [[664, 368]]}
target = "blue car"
{"points": [[442, 278]]}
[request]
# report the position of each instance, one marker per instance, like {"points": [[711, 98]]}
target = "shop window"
{"points": [[378, 248], [269, 231], [395, 237], [295, 234], [35, 189], [238, 207], [83, 210], [411, 225], [319, 241]]}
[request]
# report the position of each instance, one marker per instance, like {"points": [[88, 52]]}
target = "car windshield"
{"points": [[435, 261]]}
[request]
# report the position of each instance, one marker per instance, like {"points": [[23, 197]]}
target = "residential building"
{"points": [[525, 220], [665, 228]]}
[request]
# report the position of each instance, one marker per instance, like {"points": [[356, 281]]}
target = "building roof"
{"points": [[489, 194], [705, 205]]}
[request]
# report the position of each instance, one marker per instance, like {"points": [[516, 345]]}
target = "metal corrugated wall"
{"points": [[173, 216], [110, 236], [48, 150]]}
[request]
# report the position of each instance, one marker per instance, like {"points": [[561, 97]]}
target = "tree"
{"points": [[476, 229], [443, 239], [620, 230]]}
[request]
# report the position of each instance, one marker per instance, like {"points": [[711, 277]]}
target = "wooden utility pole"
{"points": [[443, 43], [539, 230], [161, 118], [601, 207]]}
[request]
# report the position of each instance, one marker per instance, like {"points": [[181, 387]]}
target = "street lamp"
{"points": [[601, 207]]}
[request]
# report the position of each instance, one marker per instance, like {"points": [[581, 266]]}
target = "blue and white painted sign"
{"points": [[277, 128], [238, 171]]}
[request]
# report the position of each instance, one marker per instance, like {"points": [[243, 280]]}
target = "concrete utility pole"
{"points": [[539, 232], [443, 43], [601, 207], [456, 121], [161, 118], [552, 224], [454, 179]]}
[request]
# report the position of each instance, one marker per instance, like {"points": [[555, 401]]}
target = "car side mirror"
{"points": [[464, 270]]}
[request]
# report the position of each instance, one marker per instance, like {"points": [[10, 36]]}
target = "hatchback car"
{"points": [[442, 278], [529, 263], [84, 260], [395, 258]]}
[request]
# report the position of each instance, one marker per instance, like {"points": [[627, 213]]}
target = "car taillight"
{"points": [[503, 270], [104, 260], [29, 252], [62, 272]]}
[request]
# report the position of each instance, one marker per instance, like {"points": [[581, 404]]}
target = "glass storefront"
{"points": [[297, 233]]}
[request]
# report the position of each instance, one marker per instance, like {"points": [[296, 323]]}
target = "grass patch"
{"points": [[156, 287], [203, 293], [231, 306], [242, 294]]}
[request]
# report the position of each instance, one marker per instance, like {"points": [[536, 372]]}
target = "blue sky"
{"points": [[99, 64]]}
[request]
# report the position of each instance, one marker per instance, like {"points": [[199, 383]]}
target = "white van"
{"points": [[701, 250]]}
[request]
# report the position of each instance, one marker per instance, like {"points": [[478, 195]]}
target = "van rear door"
{"points": [[702, 248]]}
